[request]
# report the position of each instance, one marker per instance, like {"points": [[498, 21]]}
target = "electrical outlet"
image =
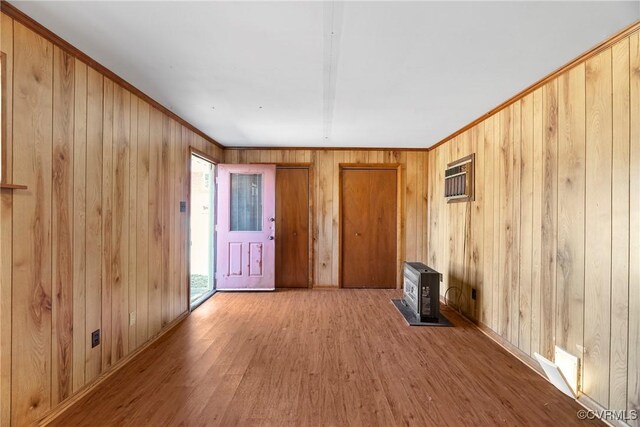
{"points": [[132, 318], [474, 293], [95, 338]]}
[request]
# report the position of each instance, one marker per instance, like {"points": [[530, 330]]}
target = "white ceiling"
{"points": [[354, 74]]}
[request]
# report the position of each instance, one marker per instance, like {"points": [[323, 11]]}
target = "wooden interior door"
{"points": [[369, 228], [292, 227]]}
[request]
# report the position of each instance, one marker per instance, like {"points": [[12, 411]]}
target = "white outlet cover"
{"points": [[555, 376]]}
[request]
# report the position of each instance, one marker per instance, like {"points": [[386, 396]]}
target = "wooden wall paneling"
{"points": [[477, 243], [334, 209], [486, 293], [571, 199], [172, 217], [516, 156], [74, 258], [471, 238], [549, 217], [506, 221], [633, 367], [120, 237], [497, 272], [184, 218], [143, 225], [62, 226], [155, 222], [94, 220], [401, 226], [31, 281], [176, 181], [432, 241], [411, 221], [6, 207], [536, 279], [423, 215], [324, 195], [597, 323], [620, 227], [525, 166], [166, 198], [443, 264], [79, 224], [451, 249], [132, 267], [107, 228]]}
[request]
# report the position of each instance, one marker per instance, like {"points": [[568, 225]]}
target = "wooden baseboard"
{"points": [[58, 410]]}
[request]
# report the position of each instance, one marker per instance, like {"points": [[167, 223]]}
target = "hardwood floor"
{"points": [[321, 357]]}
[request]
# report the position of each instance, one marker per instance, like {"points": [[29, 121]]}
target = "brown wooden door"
{"points": [[369, 213], [292, 228]]}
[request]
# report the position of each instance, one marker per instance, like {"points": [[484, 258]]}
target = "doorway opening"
{"points": [[202, 248]]}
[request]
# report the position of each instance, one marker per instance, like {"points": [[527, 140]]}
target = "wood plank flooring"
{"points": [[321, 357]]}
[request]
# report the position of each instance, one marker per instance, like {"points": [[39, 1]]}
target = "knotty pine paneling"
{"points": [[81, 247], [325, 199], [555, 223]]}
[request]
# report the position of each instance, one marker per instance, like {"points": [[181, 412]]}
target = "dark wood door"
{"points": [[292, 228], [369, 226]]}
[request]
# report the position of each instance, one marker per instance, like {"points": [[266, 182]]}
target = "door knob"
{"points": [[357, 234], [272, 219], [271, 237]]}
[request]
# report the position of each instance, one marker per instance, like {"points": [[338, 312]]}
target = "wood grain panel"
{"points": [[79, 224], [166, 197], [6, 214], [120, 224], [155, 222], [598, 220], [571, 215], [549, 216], [486, 291], [525, 164], [62, 226], [94, 213], [325, 194], [516, 156], [536, 308], [107, 229], [132, 226], [143, 225], [633, 367], [32, 288], [506, 222], [620, 227]]}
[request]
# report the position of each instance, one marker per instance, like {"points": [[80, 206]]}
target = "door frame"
{"points": [[195, 152], [310, 170], [399, 224]]}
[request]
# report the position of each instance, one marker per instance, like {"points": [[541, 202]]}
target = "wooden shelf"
{"points": [[13, 186]]}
